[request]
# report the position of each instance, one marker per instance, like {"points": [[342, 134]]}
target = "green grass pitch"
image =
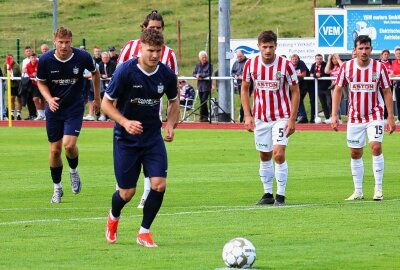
{"points": [[213, 185]]}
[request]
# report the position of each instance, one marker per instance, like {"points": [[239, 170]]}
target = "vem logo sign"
{"points": [[330, 31]]}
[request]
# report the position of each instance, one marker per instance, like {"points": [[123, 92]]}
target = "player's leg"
{"points": [[375, 133], [56, 168], [356, 140], [54, 129], [263, 143], [280, 141], [155, 165], [72, 129], [127, 166]]}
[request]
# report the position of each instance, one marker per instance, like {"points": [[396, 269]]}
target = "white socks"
{"points": [[267, 175], [147, 187], [143, 230], [357, 171], [378, 165], [281, 175], [57, 185]]}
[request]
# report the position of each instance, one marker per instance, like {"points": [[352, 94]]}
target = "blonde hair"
{"points": [[62, 32]]}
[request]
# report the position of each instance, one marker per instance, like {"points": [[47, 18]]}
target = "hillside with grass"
{"points": [[107, 23]]}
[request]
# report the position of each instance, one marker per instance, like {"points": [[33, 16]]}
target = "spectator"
{"points": [[44, 48], [82, 48], [318, 71], [332, 69], [186, 92], [4, 112], [106, 68], [301, 72], [237, 73], [15, 72], [31, 70], [384, 59], [29, 97], [96, 54], [113, 55], [396, 87], [202, 72]]}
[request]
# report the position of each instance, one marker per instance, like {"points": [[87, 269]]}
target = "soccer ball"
{"points": [[318, 120], [239, 253]]}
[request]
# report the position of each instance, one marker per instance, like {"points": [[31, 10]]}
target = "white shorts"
{"points": [[268, 134], [356, 133]]}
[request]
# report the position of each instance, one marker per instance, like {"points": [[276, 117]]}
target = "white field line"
{"points": [[222, 210]]}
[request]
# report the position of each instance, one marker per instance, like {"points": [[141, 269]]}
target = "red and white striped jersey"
{"points": [[131, 50], [366, 102], [271, 87]]}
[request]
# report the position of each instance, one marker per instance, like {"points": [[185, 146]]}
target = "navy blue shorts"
{"points": [[128, 160], [64, 122]]}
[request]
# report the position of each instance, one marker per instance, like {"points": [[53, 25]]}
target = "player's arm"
{"points": [[96, 90], [245, 97], [45, 91], [387, 96], [336, 97], [173, 118], [131, 126], [295, 101]]}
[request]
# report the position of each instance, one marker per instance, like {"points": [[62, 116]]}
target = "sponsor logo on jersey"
{"points": [[54, 71], [267, 85], [137, 86], [160, 88], [64, 81], [75, 70], [362, 87], [145, 102]]}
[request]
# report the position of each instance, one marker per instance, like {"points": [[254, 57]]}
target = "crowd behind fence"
{"points": [[3, 88]]}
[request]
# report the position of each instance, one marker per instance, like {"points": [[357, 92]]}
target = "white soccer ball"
{"points": [[318, 120], [239, 253]]}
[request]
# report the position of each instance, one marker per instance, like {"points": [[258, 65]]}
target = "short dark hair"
{"points": [[267, 36], [33, 54], [318, 54], [385, 51], [27, 47], [361, 40], [152, 37], [152, 16], [62, 32]]}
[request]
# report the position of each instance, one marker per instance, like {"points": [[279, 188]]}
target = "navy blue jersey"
{"points": [[65, 77], [138, 95]]}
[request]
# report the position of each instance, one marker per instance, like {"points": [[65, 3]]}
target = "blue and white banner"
{"points": [[336, 29]]}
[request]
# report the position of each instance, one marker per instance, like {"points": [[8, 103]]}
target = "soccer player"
{"points": [[274, 112], [364, 76], [60, 81], [137, 86], [131, 50]]}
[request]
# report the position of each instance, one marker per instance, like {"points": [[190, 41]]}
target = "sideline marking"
{"points": [[239, 208]]}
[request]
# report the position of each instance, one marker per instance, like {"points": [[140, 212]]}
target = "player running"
{"points": [[274, 110], [364, 77], [60, 81], [131, 50], [137, 86]]}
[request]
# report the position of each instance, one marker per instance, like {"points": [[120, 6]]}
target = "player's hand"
{"points": [[335, 122], [133, 127], [390, 125], [53, 103], [249, 123], [96, 105], [169, 133], [290, 127]]}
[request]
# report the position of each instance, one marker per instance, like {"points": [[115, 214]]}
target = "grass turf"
{"points": [[213, 184]]}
